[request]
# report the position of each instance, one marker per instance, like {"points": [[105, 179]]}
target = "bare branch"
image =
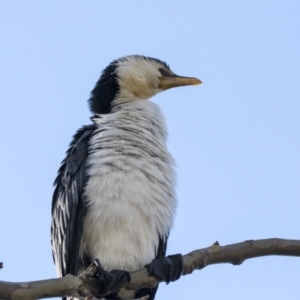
{"points": [[216, 254], [68, 285], [236, 254], [196, 260]]}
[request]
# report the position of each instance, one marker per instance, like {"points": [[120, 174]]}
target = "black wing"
{"points": [[67, 204]]}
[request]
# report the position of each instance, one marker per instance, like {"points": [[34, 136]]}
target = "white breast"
{"points": [[130, 192]]}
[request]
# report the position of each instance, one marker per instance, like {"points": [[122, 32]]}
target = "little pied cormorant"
{"points": [[114, 195]]}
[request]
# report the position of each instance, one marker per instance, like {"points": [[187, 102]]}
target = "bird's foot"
{"points": [[104, 282], [166, 268]]}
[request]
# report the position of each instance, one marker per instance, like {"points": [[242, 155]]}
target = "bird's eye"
{"points": [[163, 72]]}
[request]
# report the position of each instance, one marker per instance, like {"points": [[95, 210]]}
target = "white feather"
{"points": [[131, 188]]}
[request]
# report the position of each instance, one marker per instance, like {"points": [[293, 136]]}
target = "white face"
{"points": [[138, 78]]}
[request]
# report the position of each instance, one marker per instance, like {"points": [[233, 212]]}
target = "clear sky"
{"points": [[235, 139]]}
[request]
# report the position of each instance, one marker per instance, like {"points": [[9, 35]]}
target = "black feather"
{"points": [[164, 64], [68, 207], [105, 90], [107, 87]]}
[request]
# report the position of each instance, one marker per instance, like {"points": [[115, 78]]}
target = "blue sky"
{"points": [[235, 139]]}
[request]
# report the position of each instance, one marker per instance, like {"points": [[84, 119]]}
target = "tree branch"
{"points": [[76, 285]]}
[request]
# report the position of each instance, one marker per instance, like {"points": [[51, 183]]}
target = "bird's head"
{"points": [[133, 78]]}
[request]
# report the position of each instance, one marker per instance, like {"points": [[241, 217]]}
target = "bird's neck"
{"points": [[141, 117]]}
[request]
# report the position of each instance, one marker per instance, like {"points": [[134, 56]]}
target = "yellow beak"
{"points": [[167, 82]]}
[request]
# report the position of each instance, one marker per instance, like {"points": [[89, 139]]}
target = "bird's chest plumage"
{"points": [[130, 190]]}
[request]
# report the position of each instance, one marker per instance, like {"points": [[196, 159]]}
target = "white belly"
{"points": [[130, 192]]}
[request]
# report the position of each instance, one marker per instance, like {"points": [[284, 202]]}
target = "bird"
{"points": [[114, 197]]}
